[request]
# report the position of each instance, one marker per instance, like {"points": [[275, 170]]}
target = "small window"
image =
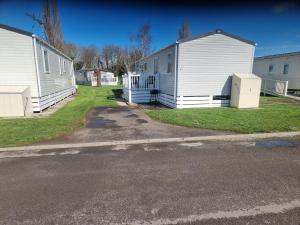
{"points": [[145, 67], [64, 66], [46, 61], [155, 65], [271, 68], [59, 64], [169, 68], [285, 68]]}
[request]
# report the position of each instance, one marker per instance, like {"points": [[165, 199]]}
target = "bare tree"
{"points": [[143, 39], [89, 56], [107, 54], [185, 30], [130, 56], [51, 24], [72, 50]]}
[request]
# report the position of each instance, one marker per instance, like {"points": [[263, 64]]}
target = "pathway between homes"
{"points": [[126, 123]]}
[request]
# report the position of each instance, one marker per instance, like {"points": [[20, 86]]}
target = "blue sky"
{"points": [[275, 28]]}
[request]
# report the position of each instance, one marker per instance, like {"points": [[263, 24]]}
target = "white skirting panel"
{"points": [[143, 96], [39, 104], [199, 102], [167, 100], [140, 96]]}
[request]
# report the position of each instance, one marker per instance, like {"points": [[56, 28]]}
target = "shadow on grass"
{"points": [[117, 93]]}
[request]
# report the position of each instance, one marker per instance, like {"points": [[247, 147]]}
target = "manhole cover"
{"points": [[274, 144]]}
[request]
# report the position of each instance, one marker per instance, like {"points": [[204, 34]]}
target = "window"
{"points": [[46, 61], [155, 66], [145, 67], [169, 68], [64, 66], [271, 68], [285, 68], [59, 64]]}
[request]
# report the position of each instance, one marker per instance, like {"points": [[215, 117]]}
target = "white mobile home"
{"points": [[192, 73], [26, 60], [88, 76], [283, 67]]}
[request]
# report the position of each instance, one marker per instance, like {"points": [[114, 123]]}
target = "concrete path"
{"points": [[126, 123], [236, 183]]}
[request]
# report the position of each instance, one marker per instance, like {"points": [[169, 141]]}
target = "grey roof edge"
{"points": [[278, 55], [217, 31], [13, 29], [17, 30]]}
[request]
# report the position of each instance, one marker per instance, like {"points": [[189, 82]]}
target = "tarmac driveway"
{"points": [[126, 123]]}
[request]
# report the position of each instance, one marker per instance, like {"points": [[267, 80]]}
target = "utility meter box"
{"points": [[245, 91], [15, 101]]}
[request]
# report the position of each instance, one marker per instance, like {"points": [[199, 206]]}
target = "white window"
{"points": [[271, 68], [169, 67], [285, 68], [46, 61], [64, 66], [155, 65], [60, 66]]}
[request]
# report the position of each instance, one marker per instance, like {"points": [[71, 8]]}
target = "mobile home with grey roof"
{"points": [[196, 72], [27, 60], [283, 67]]}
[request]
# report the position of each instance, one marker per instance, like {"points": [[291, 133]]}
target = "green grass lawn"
{"points": [[24, 131], [274, 115]]}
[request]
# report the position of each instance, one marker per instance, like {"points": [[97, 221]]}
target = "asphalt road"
{"points": [[181, 183]]}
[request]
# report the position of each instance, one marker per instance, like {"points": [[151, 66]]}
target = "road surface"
{"points": [[171, 183]]}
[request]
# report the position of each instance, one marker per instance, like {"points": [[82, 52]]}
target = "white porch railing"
{"points": [[274, 87], [139, 82], [109, 80]]}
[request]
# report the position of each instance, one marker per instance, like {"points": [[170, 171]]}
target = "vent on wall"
{"points": [[221, 97]]}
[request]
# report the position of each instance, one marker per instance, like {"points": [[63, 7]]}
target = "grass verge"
{"points": [[24, 131], [276, 114]]}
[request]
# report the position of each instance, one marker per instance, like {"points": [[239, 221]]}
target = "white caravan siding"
{"points": [[166, 80], [17, 65], [206, 64], [261, 68], [53, 81]]}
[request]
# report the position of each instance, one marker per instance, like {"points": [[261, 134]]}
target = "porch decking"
{"points": [[137, 88]]}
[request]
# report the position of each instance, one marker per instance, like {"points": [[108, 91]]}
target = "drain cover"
{"points": [[274, 144]]}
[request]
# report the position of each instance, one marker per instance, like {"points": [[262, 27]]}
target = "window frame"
{"points": [[64, 67], [59, 63], [285, 72], [44, 62], [169, 63], [273, 68]]}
